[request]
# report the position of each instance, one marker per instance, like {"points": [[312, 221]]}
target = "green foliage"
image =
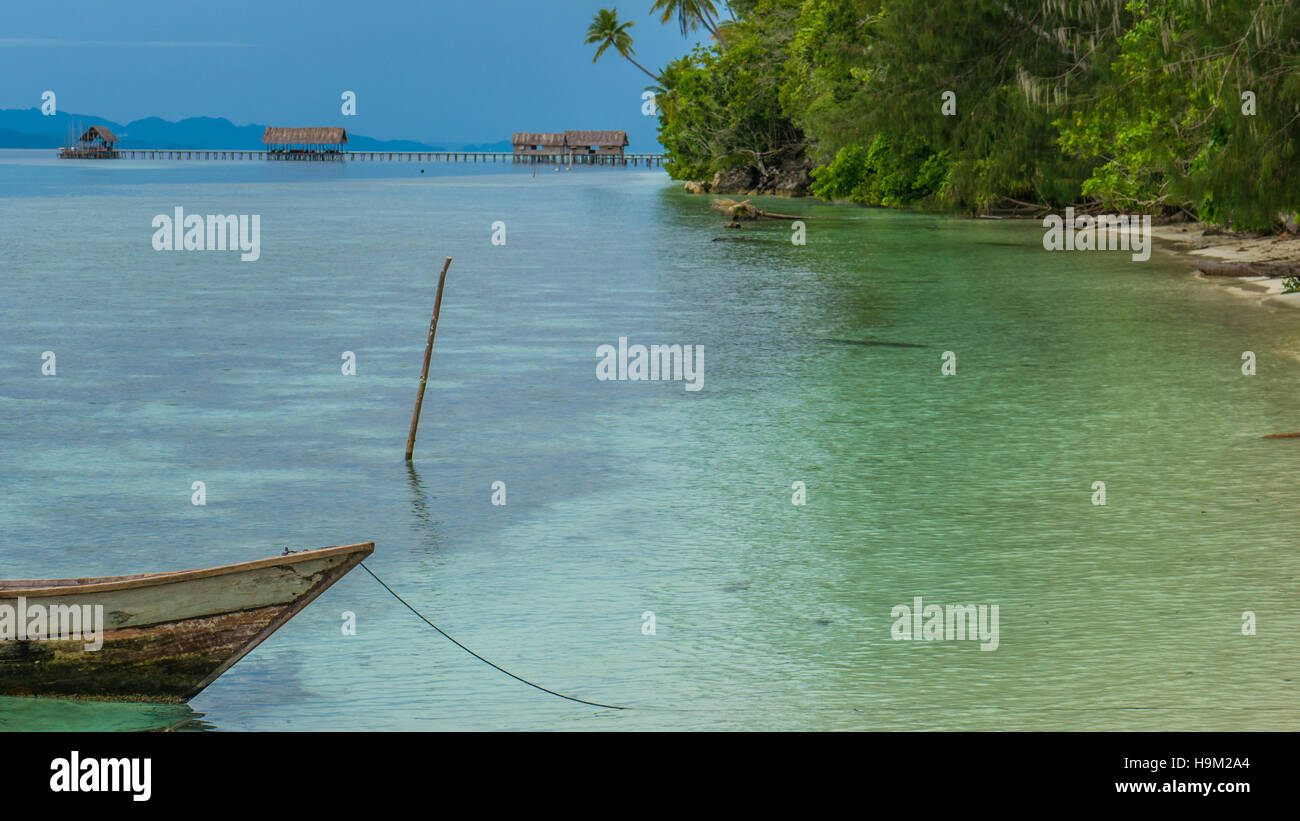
{"points": [[606, 30], [690, 14], [1168, 117], [867, 69], [1135, 104], [719, 107], [882, 174]]}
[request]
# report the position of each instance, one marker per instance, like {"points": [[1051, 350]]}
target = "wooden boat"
{"points": [[166, 636]]}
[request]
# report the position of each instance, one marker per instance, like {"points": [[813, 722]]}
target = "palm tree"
{"points": [[691, 14], [606, 30]]}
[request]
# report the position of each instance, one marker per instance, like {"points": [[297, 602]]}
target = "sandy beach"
{"points": [[1199, 241]]}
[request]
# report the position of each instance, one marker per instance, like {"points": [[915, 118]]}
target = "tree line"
{"points": [[1163, 107]]}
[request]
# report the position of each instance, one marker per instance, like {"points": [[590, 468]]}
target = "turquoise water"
{"points": [[627, 497]]}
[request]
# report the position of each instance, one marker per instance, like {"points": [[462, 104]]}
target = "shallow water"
{"points": [[627, 497]]}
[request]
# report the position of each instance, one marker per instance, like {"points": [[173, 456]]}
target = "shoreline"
{"points": [[1198, 242], [1195, 241]]}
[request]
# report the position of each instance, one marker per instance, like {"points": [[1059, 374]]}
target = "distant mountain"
{"points": [[503, 145], [28, 128]]}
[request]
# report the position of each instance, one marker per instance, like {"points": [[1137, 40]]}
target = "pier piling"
{"points": [[635, 160]]}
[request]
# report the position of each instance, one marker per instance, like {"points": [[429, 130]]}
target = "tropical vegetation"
{"points": [[1167, 107]]}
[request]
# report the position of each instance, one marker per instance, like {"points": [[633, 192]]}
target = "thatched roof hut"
{"points": [[98, 134], [537, 138], [596, 142], [535, 142], [327, 136]]}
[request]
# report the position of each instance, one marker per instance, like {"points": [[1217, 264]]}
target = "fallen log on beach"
{"points": [[1246, 268]]}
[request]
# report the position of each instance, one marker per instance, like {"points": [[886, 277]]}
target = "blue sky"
{"points": [[432, 70]]}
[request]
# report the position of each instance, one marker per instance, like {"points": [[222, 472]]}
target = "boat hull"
{"points": [[166, 636]]}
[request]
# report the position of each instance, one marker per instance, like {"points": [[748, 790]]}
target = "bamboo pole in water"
{"points": [[428, 354]]}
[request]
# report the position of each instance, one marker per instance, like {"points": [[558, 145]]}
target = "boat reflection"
{"points": [[29, 715]]}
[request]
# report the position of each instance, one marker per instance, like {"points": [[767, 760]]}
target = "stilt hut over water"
{"points": [[595, 142], [96, 144], [305, 143], [532, 143]]}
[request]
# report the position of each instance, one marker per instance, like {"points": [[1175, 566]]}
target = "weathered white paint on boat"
{"points": [[167, 635]]}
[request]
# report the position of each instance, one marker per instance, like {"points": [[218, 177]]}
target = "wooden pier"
{"points": [[646, 160]]}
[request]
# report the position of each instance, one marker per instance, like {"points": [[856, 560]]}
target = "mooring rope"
{"points": [[476, 655]]}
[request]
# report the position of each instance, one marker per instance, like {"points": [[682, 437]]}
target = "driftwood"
{"points": [[1282, 436], [1016, 208], [746, 211], [736, 210], [1217, 268]]}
